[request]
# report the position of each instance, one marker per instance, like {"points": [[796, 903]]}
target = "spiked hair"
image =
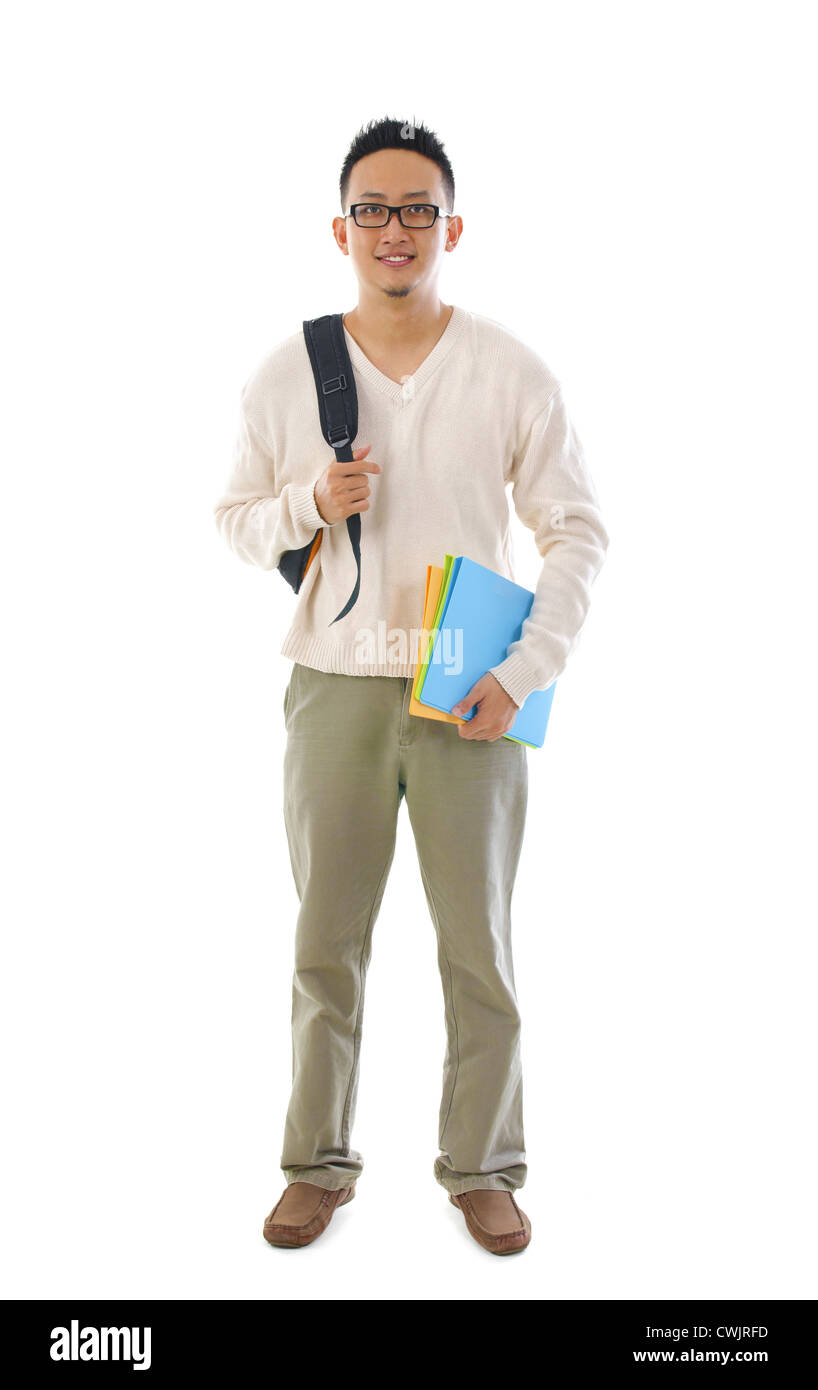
{"points": [[392, 134]]}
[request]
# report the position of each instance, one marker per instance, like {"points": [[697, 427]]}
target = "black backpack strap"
{"points": [[338, 409]]}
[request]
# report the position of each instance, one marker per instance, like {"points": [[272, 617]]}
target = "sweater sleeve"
{"points": [[554, 496], [258, 516]]}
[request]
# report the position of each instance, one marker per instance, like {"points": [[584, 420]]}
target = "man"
{"points": [[452, 407]]}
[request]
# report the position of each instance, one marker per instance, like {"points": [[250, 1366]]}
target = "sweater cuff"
{"points": [[517, 678], [303, 509]]}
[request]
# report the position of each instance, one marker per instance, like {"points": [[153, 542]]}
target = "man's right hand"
{"points": [[343, 488]]}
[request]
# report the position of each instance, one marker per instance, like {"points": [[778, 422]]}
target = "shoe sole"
{"points": [[297, 1244], [513, 1250]]}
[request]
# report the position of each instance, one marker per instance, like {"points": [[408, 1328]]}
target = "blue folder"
{"points": [[489, 611]]}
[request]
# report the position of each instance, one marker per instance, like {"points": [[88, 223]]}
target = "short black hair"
{"points": [[391, 134]]}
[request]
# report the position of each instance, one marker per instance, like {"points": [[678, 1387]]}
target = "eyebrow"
{"points": [[418, 193]]}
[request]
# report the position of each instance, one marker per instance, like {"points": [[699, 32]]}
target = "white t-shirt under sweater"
{"points": [[482, 411]]}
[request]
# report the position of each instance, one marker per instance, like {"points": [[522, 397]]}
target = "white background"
{"points": [[635, 183]]}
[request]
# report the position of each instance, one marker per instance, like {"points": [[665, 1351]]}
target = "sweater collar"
{"points": [[395, 389]]}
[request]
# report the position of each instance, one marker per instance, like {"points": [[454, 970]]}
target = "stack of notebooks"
{"points": [[470, 617]]}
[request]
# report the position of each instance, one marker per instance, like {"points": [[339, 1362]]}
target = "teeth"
{"points": [[396, 258]]}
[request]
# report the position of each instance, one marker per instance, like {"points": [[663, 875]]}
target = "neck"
{"points": [[398, 322]]}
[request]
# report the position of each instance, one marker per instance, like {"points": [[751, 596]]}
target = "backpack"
{"points": [[338, 409]]}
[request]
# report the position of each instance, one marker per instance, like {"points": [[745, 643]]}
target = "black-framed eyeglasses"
{"points": [[410, 215]]}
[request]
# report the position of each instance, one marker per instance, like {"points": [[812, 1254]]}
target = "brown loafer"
{"points": [[302, 1212], [494, 1219]]}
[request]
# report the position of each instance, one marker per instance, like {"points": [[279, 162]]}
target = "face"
{"points": [[396, 177]]}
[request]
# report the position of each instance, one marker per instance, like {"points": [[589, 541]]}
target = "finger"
{"points": [[344, 469], [357, 455]]}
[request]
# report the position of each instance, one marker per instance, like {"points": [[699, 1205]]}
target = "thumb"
{"points": [[463, 706]]}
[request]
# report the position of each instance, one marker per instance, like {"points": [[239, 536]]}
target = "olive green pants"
{"points": [[353, 752]]}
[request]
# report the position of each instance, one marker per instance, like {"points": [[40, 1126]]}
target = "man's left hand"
{"points": [[496, 711]]}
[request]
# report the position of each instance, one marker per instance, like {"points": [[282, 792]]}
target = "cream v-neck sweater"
{"points": [[481, 412]]}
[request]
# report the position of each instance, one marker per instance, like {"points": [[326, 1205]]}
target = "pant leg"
{"points": [[341, 802], [467, 803]]}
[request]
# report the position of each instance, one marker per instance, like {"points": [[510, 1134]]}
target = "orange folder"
{"points": [[434, 580]]}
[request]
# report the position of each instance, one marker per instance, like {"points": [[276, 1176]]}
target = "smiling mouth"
{"points": [[396, 261]]}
